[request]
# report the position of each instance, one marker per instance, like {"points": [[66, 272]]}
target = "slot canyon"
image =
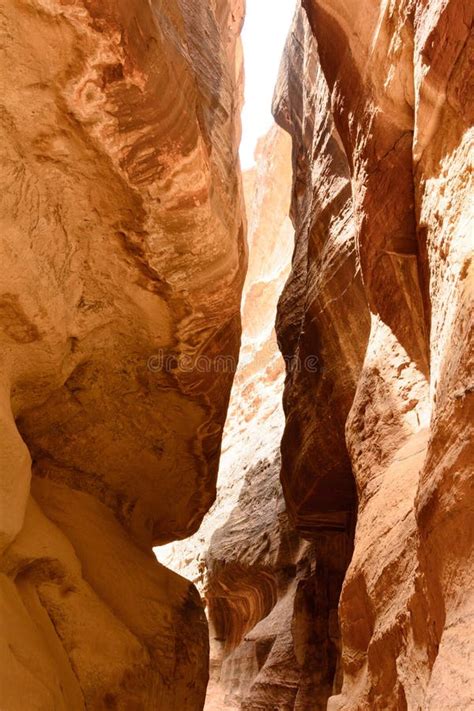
{"points": [[236, 402]]}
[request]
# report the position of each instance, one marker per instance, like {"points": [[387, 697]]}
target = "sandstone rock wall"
{"points": [[376, 98], [123, 252]]}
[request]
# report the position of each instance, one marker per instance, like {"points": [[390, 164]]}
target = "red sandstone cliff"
{"points": [[376, 98], [122, 244], [354, 590]]}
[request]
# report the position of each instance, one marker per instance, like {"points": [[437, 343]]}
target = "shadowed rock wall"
{"points": [[376, 99]]}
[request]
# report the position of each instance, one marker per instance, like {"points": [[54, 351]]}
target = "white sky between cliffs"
{"points": [[266, 27]]}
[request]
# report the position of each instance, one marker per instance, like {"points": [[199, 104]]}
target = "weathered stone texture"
{"points": [[123, 251], [385, 87]]}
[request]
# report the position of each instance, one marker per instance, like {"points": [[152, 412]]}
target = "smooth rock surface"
{"points": [[123, 254]]}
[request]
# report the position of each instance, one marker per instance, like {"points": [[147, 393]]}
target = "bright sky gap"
{"points": [[264, 35]]}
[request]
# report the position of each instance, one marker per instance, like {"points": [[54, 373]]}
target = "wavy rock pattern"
{"points": [[123, 253], [375, 98]]}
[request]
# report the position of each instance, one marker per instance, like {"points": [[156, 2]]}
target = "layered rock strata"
{"points": [[123, 252], [376, 98]]}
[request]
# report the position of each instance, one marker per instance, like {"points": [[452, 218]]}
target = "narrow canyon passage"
{"points": [[236, 395]]}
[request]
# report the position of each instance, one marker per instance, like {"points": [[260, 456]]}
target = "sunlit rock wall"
{"points": [[123, 253], [378, 100]]}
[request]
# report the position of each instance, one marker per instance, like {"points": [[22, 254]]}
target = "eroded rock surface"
{"points": [[376, 98], [122, 252]]}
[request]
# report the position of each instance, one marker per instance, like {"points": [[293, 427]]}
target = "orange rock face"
{"points": [[123, 253], [376, 99]]}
